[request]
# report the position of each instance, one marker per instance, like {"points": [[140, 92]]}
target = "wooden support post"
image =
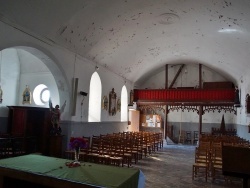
{"points": [[166, 114], [200, 119]]}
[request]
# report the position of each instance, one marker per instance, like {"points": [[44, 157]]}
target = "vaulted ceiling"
{"points": [[135, 38]]}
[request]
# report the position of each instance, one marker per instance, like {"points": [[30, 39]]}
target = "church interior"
{"points": [[163, 82]]}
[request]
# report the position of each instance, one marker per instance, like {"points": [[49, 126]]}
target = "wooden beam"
{"points": [[176, 76], [166, 114], [200, 76], [166, 76]]}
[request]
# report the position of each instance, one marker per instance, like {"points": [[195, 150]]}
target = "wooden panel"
{"points": [[19, 121], [235, 161], [134, 118], [55, 146], [218, 85], [30, 121]]}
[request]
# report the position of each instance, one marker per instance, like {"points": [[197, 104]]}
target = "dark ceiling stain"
{"points": [[63, 29]]}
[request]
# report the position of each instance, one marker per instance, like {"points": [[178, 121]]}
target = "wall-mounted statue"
{"points": [[55, 118], [112, 102], [1, 95], [27, 95]]}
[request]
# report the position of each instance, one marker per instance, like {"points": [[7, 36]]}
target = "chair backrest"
{"points": [[87, 138], [201, 155]]}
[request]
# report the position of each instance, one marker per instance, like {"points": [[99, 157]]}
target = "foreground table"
{"points": [[43, 171]]}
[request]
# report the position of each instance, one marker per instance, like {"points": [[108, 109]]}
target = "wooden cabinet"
{"points": [[30, 121]]}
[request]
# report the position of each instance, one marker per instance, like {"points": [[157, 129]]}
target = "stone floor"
{"points": [[171, 167]]}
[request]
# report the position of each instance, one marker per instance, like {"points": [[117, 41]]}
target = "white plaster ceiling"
{"points": [[136, 38]]}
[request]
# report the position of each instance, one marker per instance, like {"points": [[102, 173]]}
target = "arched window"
{"points": [[124, 104], [95, 93]]}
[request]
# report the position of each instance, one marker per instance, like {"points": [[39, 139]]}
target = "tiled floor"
{"points": [[171, 167]]}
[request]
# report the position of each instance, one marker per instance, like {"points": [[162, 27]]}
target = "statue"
{"points": [[112, 102], [27, 95], [1, 95], [55, 118], [237, 97]]}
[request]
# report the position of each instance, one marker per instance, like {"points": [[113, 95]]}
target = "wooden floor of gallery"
{"points": [[172, 167]]}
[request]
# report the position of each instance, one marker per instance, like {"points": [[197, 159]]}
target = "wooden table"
{"points": [[43, 171]]}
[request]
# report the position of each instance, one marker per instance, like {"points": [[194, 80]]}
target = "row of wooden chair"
{"points": [[119, 148], [208, 155], [208, 161], [15, 146]]}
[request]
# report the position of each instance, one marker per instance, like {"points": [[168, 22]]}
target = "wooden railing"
{"points": [[184, 95]]}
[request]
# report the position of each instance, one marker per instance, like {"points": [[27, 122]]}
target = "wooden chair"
{"points": [[181, 137], [115, 153], [160, 140], [18, 146], [104, 150], [188, 138], [196, 137], [93, 152], [146, 144], [216, 163], [31, 144], [126, 152], [84, 151], [201, 165], [5, 148]]}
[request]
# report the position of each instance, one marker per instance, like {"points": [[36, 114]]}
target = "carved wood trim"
{"points": [[153, 108], [183, 107], [230, 109]]}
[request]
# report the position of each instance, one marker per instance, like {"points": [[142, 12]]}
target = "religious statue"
{"points": [[1, 95], [112, 102], [237, 97], [27, 95], [131, 97], [55, 118]]}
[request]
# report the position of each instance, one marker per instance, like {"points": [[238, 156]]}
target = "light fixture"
{"points": [[83, 93]]}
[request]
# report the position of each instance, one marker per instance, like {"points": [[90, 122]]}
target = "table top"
{"points": [[88, 173]]}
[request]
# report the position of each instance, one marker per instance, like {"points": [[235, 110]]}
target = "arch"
{"points": [[95, 96], [124, 104], [50, 62]]}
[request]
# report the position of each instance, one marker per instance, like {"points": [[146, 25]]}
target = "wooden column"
{"points": [[201, 107], [166, 115], [200, 119]]}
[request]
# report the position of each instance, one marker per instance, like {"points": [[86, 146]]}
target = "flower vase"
{"points": [[77, 151]]}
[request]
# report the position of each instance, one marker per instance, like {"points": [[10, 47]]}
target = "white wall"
{"points": [[62, 65], [10, 78]]}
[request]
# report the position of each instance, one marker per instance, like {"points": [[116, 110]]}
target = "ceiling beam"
{"points": [[176, 76]]}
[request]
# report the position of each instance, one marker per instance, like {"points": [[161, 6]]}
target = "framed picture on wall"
{"points": [[105, 103], [118, 105]]}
